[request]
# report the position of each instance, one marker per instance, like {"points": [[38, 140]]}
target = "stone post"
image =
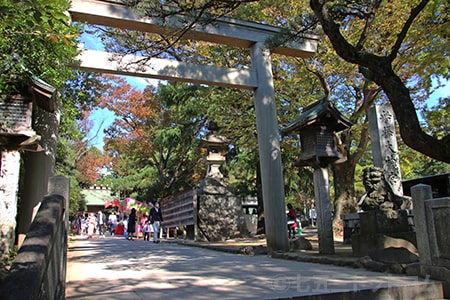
{"points": [[9, 185], [384, 145], [420, 193], [323, 204], [60, 185], [269, 151]]}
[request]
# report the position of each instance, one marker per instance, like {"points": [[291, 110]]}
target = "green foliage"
{"points": [[36, 37], [438, 117]]}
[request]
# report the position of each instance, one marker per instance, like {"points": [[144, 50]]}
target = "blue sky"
{"points": [[103, 118]]}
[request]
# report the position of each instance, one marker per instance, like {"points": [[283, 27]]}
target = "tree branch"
{"points": [[401, 36], [369, 22], [343, 48], [322, 80]]}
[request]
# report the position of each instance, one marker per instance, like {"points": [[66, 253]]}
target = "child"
{"points": [[146, 231], [125, 227]]}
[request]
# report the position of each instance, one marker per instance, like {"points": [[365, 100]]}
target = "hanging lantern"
{"points": [[317, 126]]}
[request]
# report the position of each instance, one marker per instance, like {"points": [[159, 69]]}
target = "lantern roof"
{"points": [[214, 140], [322, 112], [43, 93]]}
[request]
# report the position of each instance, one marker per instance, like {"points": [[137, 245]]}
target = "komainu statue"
{"points": [[380, 196]]}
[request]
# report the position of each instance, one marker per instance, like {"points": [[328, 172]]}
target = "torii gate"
{"points": [[259, 78]]}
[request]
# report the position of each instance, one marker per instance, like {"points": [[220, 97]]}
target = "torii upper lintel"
{"points": [[224, 31]]}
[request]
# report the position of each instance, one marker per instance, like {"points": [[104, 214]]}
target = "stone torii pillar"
{"points": [[269, 151]]}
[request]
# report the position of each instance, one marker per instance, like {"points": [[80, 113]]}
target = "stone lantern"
{"points": [[218, 207], [317, 126], [216, 146]]}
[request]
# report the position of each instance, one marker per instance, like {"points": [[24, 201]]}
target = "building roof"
{"points": [[97, 195]]}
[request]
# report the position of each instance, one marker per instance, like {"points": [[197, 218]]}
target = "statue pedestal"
{"points": [[377, 232], [376, 221]]}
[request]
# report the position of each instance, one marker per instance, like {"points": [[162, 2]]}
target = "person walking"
{"points": [[78, 229], [292, 221], [156, 219], [313, 215], [101, 222], [125, 226], [112, 223], [91, 221], [131, 224]]}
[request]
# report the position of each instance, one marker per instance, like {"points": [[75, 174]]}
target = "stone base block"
{"points": [[376, 221], [362, 244]]}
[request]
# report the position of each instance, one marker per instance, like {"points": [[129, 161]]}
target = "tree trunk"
{"points": [[344, 178]]}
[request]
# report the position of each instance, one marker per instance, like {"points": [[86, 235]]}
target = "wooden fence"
{"points": [[180, 210]]}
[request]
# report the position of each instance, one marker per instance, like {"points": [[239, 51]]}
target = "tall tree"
{"points": [[423, 32], [370, 21], [79, 95], [154, 139]]}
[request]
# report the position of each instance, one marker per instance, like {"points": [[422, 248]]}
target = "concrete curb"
{"points": [[351, 262]]}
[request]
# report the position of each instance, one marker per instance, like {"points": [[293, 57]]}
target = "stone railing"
{"points": [[432, 223], [39, 270]]}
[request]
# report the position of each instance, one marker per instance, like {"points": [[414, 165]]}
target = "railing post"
{"points": [[60, 185], [420, 193]]}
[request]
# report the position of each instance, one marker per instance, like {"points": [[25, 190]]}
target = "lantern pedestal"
{"points": [[219, 211]]}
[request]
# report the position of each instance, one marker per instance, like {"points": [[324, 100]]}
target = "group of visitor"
{"points": [[148, 225], [90, 224], [130, 226]]}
